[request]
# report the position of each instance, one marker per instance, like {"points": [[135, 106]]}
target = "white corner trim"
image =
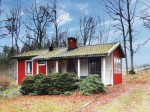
{"points": [[46, 68], [17, 72], [112, 65], [104, 71], [113, 48], [79, 68], [57, 65]]}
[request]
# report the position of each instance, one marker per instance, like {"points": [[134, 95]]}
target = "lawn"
{"points": [[138, 100], [41, 104], [131, 96]]}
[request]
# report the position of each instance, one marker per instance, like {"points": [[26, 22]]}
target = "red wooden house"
{"points": [[102, 59]]}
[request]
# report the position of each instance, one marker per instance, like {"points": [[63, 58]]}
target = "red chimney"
{"points": [[72, 43]]}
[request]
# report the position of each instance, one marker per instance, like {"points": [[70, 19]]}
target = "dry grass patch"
{"points": [[136, 101], [56, 103], [142, 77], [4, 82]]}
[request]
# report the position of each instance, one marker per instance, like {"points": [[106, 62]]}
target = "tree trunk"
{"points": [[130, 35], [56, 31], [124, 37], [126, 58]]}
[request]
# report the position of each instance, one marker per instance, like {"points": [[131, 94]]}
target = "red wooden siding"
{"points": [[42, 69], [34, 67], [117, 78], [21, 71]]}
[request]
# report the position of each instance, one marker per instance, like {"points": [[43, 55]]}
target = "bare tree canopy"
{"points": [[13, 24], [103, 31], [55, 21], [145, 14], [116, 9], [87, 29], [38, 20], [123, 11]]}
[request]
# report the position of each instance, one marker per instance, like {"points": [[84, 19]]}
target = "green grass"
{"points": [[137, 100]]}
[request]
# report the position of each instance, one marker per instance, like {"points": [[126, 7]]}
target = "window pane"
{"points": [[117, 65], [71, 66], [95, 66], [29, 67]]}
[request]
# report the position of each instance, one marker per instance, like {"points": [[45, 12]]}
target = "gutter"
{"points": [[70, 57]]}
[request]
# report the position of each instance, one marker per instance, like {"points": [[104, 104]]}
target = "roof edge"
{"points": [[70, 57], [114, 47], [23, 57]]}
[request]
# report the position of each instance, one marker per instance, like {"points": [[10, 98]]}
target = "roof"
{"points": [[30, 54], [81, 51]]}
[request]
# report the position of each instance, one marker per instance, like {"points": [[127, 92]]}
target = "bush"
{"points": [[64, 82], [132, 72], [4, 83], [50, 84], [91, 84], [27, 85], [43, 86]]}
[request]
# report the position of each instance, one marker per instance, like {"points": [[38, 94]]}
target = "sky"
{"points": [[71, 10]]}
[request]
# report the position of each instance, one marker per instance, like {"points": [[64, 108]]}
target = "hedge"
{"points": [[49, 84]]}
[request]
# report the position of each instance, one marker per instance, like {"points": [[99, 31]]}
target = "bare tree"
{"points": [[145, 14], [122, 12], [13, 24], [2, 23], [55, 21], [130, 20], [87, 29], [38, 20], [103, 31], [27, 42]]}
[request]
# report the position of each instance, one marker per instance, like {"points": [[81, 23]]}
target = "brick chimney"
{"points": [[72, 43]]}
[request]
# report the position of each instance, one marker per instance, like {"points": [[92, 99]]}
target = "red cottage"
{"points": [[102, 59]]}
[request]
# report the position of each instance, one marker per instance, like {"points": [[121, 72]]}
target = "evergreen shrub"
{"points": [[91, 84]]}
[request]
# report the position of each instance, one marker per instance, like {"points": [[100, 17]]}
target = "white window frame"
{"points": [[27, 74], [117, 65], [41, 64]]}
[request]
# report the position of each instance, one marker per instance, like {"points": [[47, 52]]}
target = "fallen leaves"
{"points": [[62, 103]]}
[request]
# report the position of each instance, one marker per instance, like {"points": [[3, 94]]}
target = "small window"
{"points": [[41, 62], [28, 67], [117, 65]]}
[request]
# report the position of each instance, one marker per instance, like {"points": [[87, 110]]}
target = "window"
{"points": [[117, 65], [41, 62], [28, 67], [71, 66], [95, 66]]}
